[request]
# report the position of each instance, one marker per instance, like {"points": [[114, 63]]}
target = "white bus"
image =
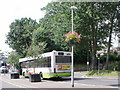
{"points": [[52, 64]]}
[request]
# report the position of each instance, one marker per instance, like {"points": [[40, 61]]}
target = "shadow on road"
{"points": [[67, 79], [115, 85]]}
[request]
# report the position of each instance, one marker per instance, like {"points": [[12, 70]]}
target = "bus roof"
{"points": [[45, 55], [26, 59]]}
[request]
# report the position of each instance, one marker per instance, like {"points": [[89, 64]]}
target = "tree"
{"points": [[112, 11], [13, 59], [20, 36], [57, 21], [35, 50], [42, 35], [87, 22]]}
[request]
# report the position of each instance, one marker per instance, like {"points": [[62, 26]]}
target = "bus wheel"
{"points": [[41, 75], [23, 74]]}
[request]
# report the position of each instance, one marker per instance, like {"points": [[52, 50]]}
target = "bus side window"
{"points": [[45, 62], [23, 64]]}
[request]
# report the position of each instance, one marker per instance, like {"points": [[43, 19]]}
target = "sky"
{"points": [[16, 9]]}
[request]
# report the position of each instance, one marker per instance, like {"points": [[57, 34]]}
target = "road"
{"points": [[8, 85], [105, 81], [80, 82]]}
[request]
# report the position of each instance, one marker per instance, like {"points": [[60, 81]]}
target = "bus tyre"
{"points": [[41, 75], [23, 74]]}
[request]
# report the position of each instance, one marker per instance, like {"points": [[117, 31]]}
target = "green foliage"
{"points": [[118, 57], [103, 73], [35, 50], [112, 57], [115, 65], [25, 36], [81, 55], [58, 22], [80, 67], [89, 21], [90, 73], [13, 59], [44, 36], [20, 36]]}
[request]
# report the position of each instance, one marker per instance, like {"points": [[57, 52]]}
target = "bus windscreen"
{"points": [[63, 59]]}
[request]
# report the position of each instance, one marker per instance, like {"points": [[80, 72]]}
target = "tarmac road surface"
{"points": [[80, 82]]}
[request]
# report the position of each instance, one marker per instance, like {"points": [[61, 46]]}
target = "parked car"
{"points": [[3, 69]]}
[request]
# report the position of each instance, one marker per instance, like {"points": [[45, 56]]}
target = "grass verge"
{"points": [[103, 73]]}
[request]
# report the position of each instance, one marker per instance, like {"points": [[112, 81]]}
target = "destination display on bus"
{"points": [[63, 67]]}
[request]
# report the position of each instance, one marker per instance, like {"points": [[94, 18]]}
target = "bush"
{"points": [[80, 67], [115, 65], [103, 73], [90, 73]]}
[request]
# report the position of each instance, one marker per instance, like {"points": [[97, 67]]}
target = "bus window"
{"points": [[45, 62], [33, 63], [23, 65]]}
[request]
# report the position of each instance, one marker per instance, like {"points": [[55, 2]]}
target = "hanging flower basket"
{"points": [[72, 38]]}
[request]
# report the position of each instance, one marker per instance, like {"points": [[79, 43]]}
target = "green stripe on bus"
{"points": [[51, 75]]}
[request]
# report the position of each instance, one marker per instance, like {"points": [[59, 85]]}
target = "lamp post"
{"points": [[72, 68]]}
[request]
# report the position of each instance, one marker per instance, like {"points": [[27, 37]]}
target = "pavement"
{"points": [[25, 83]]}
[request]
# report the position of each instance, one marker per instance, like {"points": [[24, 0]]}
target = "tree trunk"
{"points": [[93, 42], [93, 65], [109, 45], [94, 31]]}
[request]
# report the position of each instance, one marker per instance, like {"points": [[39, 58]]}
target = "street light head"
{"points": [[73, 8]]}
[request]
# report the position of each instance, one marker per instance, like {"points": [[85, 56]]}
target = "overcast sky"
{"points": [[16, 9]]}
